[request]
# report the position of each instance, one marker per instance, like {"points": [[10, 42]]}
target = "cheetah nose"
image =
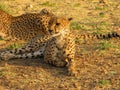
{"points": [[50, 31]]}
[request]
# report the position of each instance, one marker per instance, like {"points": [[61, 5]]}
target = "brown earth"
{"points": [[97, 61]]}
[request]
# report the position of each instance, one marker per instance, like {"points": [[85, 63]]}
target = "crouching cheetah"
{"points": [[59, 50], [26, 26]]}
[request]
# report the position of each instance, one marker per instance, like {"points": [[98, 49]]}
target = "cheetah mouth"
{"points": [[50, 31], [64, 31]]}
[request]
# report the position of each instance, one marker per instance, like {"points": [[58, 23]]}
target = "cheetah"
{"points": [[26, 26], [58, 51]]}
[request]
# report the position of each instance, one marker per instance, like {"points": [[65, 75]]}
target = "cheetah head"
{"points": [[53, 24], [60, 25]]}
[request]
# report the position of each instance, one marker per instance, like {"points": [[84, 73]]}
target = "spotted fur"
{"points": [[26, 26], [58, 51]]}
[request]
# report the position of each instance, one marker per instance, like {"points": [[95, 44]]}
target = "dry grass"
{"points": [[97, 62]]}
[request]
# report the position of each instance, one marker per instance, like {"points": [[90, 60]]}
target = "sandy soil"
{"points": [[97, 61]]}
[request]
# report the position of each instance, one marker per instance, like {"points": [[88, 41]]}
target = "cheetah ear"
{"points": [[69, 19], [44, 11]]}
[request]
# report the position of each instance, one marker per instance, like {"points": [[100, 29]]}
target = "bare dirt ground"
{"points": [[97, 61]]}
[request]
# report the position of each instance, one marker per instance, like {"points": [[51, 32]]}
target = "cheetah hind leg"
{"points": [[71, 67], [35, 54], [8, 56]]}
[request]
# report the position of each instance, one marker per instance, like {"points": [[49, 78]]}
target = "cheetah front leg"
{"points": [[71, 66], [70, 57], [53, 55]]}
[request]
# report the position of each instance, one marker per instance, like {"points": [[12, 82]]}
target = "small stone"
{"points": [[61, 85]]}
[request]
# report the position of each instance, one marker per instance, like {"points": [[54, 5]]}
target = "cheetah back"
{"points": [[26, 26]]}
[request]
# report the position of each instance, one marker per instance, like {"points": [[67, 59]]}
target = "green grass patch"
{"points": [[47, 3], [76, 26], [15, 45], [98, 8], [104, 23], [119, 86], [98, 28], [2, 72], [5, 8], [101, 14], [1, 38], [104, 83], [77, 5], [101, 26], [106, 45]]}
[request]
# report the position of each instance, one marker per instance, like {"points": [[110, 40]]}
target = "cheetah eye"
{"points": [[57, 24]]}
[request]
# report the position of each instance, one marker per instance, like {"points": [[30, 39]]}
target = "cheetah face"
{"points": [[60, 25]]}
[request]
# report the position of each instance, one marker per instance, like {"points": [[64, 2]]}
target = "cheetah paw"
{"points": [[73, 73]]}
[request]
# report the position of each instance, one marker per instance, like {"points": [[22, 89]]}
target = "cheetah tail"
{"points": [[98, 36]]}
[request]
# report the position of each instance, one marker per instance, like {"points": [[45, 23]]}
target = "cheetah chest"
{"points": [[57, 51]]}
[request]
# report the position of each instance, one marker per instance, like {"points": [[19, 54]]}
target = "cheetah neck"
{"points": [[60, 40], [64, 33]]}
